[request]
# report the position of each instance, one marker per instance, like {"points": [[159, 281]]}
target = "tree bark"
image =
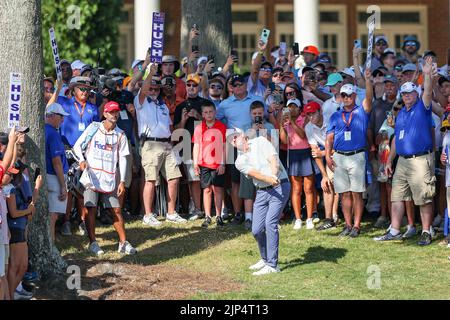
{"points": [[214, 20], [21, 52]]}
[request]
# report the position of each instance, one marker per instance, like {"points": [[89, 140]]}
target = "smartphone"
{"points": [[357, 43], [37, 173], [195, 48], [272, 86], [234, 53], [265, 35], [195, 26], [277, 98], [283, 48], [22, 129], [211, 58], [286, 111], [296, 49]]}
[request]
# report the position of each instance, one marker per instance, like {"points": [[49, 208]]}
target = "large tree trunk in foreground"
{"points": [[21, 52], [214, 20]]}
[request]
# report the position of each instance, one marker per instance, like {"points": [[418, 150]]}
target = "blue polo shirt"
{"points": [[71, 129], [413, 130], [357, 128], [235, 113], [54, 147]]}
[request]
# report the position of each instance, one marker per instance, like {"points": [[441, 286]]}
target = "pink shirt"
{"points": [[295, 142]]}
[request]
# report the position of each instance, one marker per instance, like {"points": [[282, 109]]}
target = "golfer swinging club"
{"points": [[259, 160]]}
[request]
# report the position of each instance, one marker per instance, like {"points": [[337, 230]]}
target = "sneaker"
{"points": [[175, 217], [346, 231], [219, 222], [388, 236], [266, 270], [207, 222], [195, 214], [238, 219], [410, 232], [82, 231], [298, 224], [126, 248], [381, 223], [316, 218], [309, 224], [425, 239], [30, 276], [150, 220], [225, 213], [95, 249], [65, 231], [248, 224], [22, 295], [327, 224], [437, 221], [355, 232], [258, 266]]}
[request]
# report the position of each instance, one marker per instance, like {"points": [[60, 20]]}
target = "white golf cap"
{"points": [[231, 133], [202, 59], [348, 89], [294, 101], [408, 87], [350, 72], [136, 62], [77, 65], [55, 108]]}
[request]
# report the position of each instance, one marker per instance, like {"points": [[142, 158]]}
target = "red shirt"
{"points": [[211, 142]]}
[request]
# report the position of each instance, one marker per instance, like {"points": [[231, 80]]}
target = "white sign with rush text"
{"points": [[15, 93], [56, 59]]}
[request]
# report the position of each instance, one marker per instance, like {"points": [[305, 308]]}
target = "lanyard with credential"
{"points": [[347, 124], [82, 111]]}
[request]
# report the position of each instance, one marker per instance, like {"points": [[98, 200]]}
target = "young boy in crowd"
{"points": [[209, 160]]}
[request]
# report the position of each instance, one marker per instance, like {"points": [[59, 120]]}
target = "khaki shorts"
{"points": [[414, 180], [350, 173], [158, 157]]}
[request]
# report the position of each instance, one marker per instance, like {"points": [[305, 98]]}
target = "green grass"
{"points": [[314, 265]]}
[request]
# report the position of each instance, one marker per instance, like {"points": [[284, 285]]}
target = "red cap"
{"points": [[111, 107], [311, 107], [312, 50]]}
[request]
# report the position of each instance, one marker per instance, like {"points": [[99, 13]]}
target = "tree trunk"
{"points": [[214, 20], [21, 52]]}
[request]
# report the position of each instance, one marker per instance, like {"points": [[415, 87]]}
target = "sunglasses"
{"points": [[215, 87], [266, 69], [290, 93], [381, 43], [277, 75], [344, 95], [236, 85], [410, 44], [189, 85], [83, 89]]}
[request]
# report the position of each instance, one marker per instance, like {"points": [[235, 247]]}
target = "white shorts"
{"points": [[3, 260], [350, 173], [54, 204]]}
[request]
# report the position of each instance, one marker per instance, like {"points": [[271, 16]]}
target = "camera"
{"points": [[122, 97], [258, 120], [286, 111]]}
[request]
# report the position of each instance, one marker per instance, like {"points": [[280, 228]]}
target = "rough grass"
{"points": [[188, 262]]}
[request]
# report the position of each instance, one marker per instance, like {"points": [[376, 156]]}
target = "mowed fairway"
{"points": [[213, 264]]}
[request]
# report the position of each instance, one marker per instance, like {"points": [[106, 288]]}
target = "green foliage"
{"points": [[99, 21]]}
